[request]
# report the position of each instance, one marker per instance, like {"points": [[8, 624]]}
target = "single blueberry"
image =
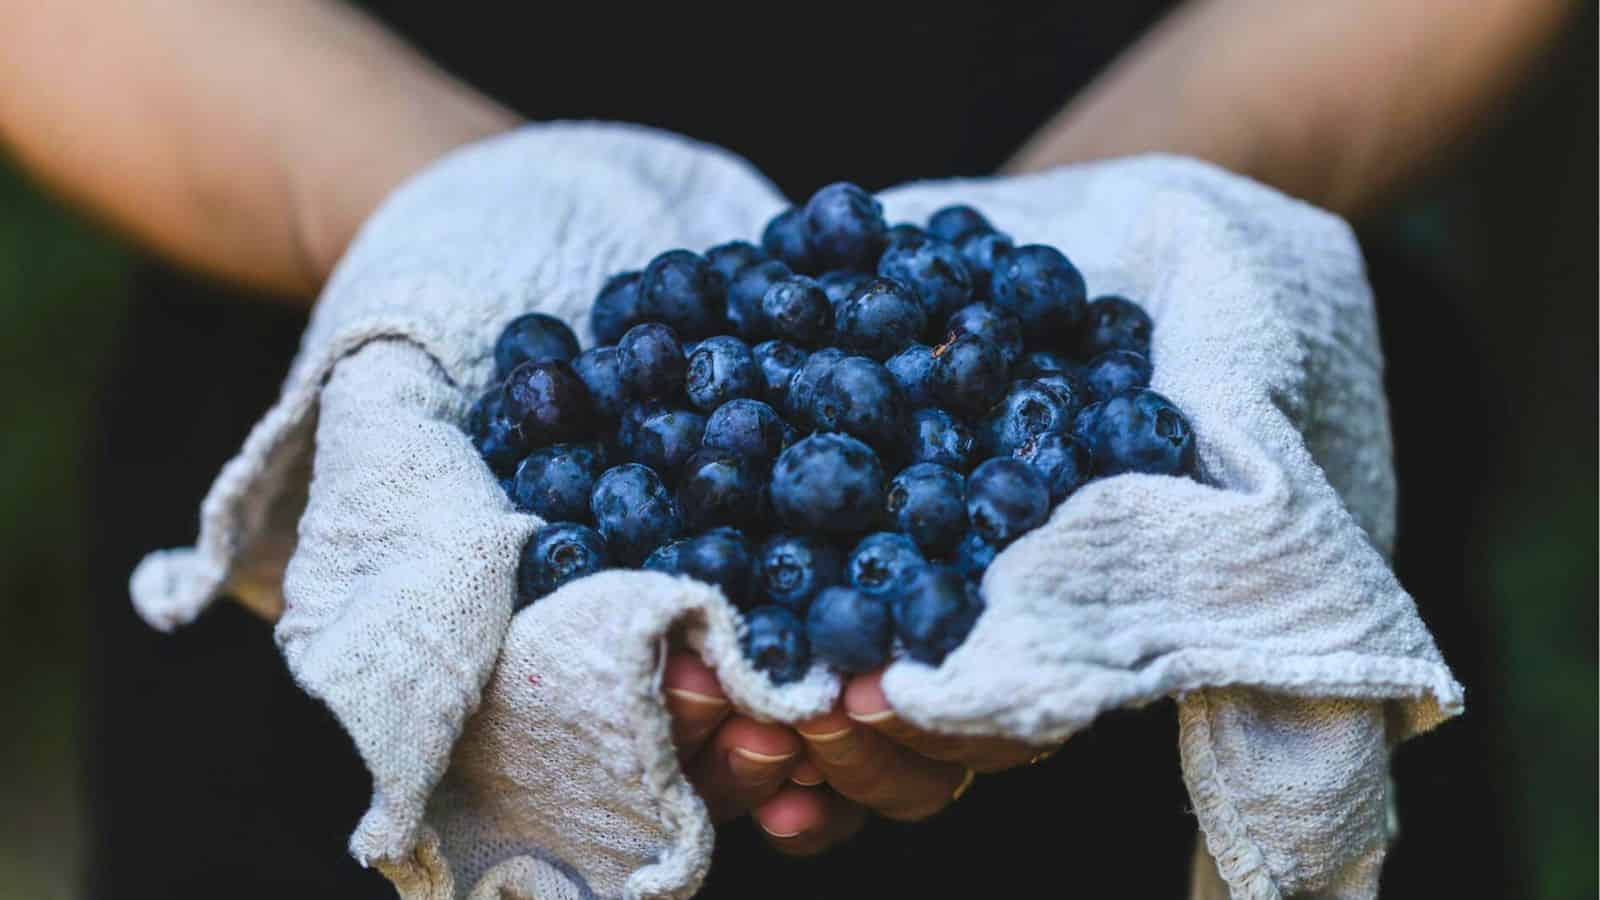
{"points": [[633, 511], [616, 308], [973, 556], [554, 555], [952, 223], [938, 437], [803, 386], [534, 337], [665, 557], [1005, 498], [845, 227], [1141, 431], [840, 284], [601, 371], [778, 361], [651, 361], [796, 310], [969, 375], [1029, 409], [719, 487], [1116, 371], [935, 270], [555, 482], [1043, 290], [665, 438], [785, 240], [882, 562], [488, 407], [1083, 426], [792, 568], [850, 630], [749, 428], [775, 643], [994, 325], [905, 231], [727, 259], [827, 483], [547, 402], [880, 319], [745, 293], [720, 557], [1115, 323], [1042, 362], [927, 502], [680, 289], [859, 397], [983, 252], [935, 612], [912, 369], [1063, 460], [720, 369], [500, 444]]}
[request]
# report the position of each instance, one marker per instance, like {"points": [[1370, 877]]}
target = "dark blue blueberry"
{"points": [[1083, 426], [840, 284], [1005, 498], [905, 231], [507, 485], [775, 643], [778, 361], [792, 568], [548, 403], [554, 555], [1042, 362], [720, 557], [927, 502], [994, 325], [749, 428], [912, 369], [665, 438], [680, 289], [1115, 323], [973, 556], [935, 612], [1029, 409], [880, 319], [720, 369], [555, 482], [882, 562], [1063, 460], [534, 337], [969, 375], [952, 223], [488, 407], [858, 396], [628, 425], [745, 293], [785, 240], [1043, 290], [796, 310], [803, 386], [845, 227], [719, 487], [1141, 431], [983, 252], [727, 259], [938, 437], [665, 557], [850, 630], [601, 371], [500, 444], [935, 270], [651, 361], [828, 483], [633, 511], [1116, 371], [616, 308]]}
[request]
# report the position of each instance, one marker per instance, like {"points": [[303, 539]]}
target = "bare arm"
{"points": [[1338, 103], [244, 138]]}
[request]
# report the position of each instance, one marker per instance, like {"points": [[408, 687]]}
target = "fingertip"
{"points": [[826, 727], [806, 774], [767, 740], [864, 699], [685, 672], [791, 812]]}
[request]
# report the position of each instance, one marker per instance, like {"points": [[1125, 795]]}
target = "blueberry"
{"points": [[905, 231], [775, 643], [935, 270], [983, 252], [796, 309], [849, 630], [912, 369], [745, 293], [1029, 409], [882, 562], [616, 308], [792, 568], [827, 483], [859, 397], [665, 438], [969, 375], [803, 386], [554, 555], [633, 512], [1063, 460], [1083, 426], [785, 240], [1005, 498], [1042, 289], [1141, 431], [994, 325], [651, 361], [749, 428], [778, 362], [488, 407], [601, 371], [952, 223], [500, 444], [973, 556], [840, 284], [935, 612], [680, 289], [845, 227], [1115, 323], [727, 259], [628, 425], [555, 482], [938, 437], [547, 402], [927, 503], [1116, 371], [720, 369], [1042, 362], [880, 319], [665, 557], [719, 557], [534, 337], [719, 487]]}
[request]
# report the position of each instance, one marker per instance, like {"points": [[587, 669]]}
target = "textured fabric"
{"points": [[1261, 597]]}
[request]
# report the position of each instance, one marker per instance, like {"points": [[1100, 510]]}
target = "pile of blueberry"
{"points": [[839, 428]]}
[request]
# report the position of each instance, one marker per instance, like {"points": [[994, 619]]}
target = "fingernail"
{"points": [[782, 835], [827, 737], [751, 769], [873, 718], [966, 782], [765, 759], [808, 783], [688, 696]]}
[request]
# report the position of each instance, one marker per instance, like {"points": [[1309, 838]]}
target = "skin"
{"points": [[159, 123]]}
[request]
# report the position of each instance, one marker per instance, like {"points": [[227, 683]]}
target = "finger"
{"points": [[806, 773], [868, 768], [743, 765], [694, 700], [802, 821], [865, 703]]}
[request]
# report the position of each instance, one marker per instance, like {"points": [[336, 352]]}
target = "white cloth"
{"points": [[530, 757]]}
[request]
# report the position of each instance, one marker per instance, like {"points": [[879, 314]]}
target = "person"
{"points": [[249, 141]]}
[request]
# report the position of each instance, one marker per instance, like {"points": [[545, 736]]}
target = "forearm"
{"points": [[243, 138], [1337, 103]]}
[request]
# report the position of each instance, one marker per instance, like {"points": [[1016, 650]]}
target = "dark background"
{"points": [[1495, 417]]}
